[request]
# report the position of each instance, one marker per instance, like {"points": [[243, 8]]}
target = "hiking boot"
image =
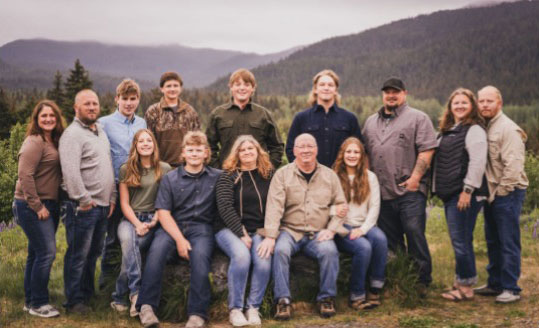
{"points": [[44, 311], [373, 299], [485, 290], [326, 307], [118, 307], [133, 310], [237, 319], [283, 310], [147, 317], [507, 296], [195, 322], [79, 308], [253, 317]]}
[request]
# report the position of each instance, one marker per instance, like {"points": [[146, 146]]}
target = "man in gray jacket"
{"points": [[89, 182]]}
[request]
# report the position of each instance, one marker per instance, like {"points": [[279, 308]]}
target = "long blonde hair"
{"points": [[134, 165], [334, 77], [232, 162], [359, 190]]}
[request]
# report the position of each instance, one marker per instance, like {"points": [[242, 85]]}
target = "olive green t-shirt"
{"points": [[142, 198]]}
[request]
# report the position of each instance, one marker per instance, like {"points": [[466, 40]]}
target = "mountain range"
{"points": [[434, 54]]}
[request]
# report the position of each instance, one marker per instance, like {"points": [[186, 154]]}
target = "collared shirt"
{"points": [[87, 165], [170, 126], [228, 121], [393, 145], [189, 198], [302, 207], [329, 129], [120, 130], [506, 156]]}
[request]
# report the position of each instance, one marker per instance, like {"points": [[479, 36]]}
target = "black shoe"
{"points": [[284, 309], [79, 308], [326, 307], [485, 290]]}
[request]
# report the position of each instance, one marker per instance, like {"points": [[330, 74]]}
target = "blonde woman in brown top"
{"points": [[35, 207]]}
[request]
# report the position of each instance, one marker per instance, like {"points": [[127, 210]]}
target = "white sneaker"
{"points": [[133, 310], [253, 317], [195, 322], [147, 317], [118, 306], [26, 308], [237, 319], [44, 311], [507, 296]]}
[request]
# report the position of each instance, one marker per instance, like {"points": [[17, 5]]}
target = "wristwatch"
{"points": [[467, 189]]}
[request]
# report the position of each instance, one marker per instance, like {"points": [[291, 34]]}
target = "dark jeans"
{"points": [[200, 236], [502, 232], [85, 232], [406, 216], [111, 246], [41, 249], [461, 225]]}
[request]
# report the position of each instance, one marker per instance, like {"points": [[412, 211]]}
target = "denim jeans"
{"points": [[502, 233], [131, 271], [241, 259], [111, 245], [41, 249], [85, 232], [200, 236], [406, 215], [369, 255], [461, 225], [325, 252]]}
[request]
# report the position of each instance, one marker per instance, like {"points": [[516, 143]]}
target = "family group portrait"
{"points": [[281, 164]]}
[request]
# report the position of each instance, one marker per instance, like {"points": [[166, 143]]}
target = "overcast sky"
{"points": [[244, 25]]}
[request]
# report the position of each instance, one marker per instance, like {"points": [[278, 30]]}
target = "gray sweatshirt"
{"points": [[87, 165]]}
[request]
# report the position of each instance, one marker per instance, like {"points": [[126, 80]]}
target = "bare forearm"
{"points": [[170, 226], [422, 163]]}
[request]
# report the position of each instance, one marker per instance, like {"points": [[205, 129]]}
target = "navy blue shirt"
{"points": [[329, 130], [188, 197]]}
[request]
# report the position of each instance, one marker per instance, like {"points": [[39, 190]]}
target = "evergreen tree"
{"points": [[6, 115], [57, 92], [77, 80]]}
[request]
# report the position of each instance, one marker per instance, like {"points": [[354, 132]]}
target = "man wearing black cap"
{"points": [[400, 141]]}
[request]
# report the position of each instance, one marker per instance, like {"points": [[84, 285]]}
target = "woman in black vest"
{"points": [[459, 169]]}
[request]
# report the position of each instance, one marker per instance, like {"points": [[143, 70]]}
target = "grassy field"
{"points": [[396, 310]]}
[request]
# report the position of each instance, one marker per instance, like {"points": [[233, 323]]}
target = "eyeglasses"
{"points": [[309, 147]]}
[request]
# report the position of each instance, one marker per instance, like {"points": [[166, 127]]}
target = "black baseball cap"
{"points": [[394, 83]]}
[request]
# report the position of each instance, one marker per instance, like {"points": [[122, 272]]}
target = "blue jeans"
{"points": [[502, 233], [369, 255], [325, 252], [238, 269], [406, 215], [85, 232], [111, 245], [200, 236], [41, 249], [461, 225], [131, 271]]}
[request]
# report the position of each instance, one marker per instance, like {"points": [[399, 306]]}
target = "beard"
{"points": [[87, 121], [391, 108]]}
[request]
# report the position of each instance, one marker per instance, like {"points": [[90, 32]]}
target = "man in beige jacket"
{"points": [[298, 216], [507, 184]]}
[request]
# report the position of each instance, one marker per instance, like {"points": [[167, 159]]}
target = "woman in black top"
{"points": [[241, 200]]}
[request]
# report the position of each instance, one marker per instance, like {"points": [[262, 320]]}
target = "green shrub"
{"points": [[8, 170], [532, 193]]}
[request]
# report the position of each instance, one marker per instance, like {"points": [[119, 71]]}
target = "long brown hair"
{"points": [[134, 165], [447, 120], [33, 127], [232, 162], [359, 190]]}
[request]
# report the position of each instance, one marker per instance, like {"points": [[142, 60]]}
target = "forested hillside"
{"points": [[433, 53]]}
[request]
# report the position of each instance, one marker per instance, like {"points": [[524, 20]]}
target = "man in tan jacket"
{"points": [[507, 184], [297, 215]]}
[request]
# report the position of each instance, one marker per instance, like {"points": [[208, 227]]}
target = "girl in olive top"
{"points": [[139, 181], [35, 207], [241, 200]]}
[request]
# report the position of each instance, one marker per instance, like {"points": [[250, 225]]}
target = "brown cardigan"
{"points": [[39, 172]]}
